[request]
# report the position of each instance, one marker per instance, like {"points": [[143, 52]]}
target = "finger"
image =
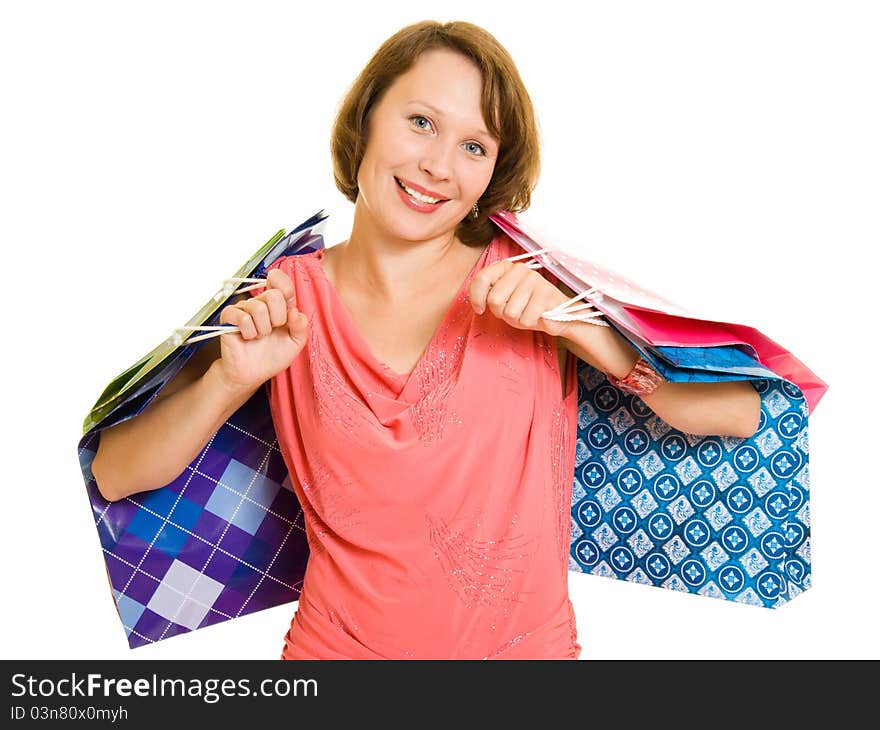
{"points": [[554, 328], [277, 279], [531, 317], [503, 289], [483, 282], [297, 327], [276, 305], [234, 314], [259, 314], [517, 303]]}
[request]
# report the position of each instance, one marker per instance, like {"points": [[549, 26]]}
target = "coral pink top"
{"points": [[437, 503]]}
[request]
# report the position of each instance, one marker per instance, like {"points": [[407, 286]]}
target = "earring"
{"points": [[475, 211]]}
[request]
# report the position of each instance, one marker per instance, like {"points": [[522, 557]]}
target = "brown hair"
{"points": [[506, 107]]}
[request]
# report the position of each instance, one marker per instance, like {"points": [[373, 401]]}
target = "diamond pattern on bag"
{"points": [[718, 516], [224, 539]]}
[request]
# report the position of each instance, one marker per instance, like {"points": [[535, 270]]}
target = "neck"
{"points": [[392, 269]]}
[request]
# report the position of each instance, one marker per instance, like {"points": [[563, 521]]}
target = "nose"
{"points": [[437, 161]]}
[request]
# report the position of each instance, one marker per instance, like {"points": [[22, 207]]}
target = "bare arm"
{"points": [[153, 448], [731, 408], [519, 295]]}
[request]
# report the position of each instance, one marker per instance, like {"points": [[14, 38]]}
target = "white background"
{"points": [[724, 154]]}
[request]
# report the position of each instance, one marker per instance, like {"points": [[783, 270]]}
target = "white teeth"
{"points": [[418, 196]]}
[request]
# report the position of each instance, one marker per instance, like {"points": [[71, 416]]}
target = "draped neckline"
{"points": [[401, 381]]}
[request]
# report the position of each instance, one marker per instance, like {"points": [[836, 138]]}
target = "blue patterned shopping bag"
{"points": [[717, 516]]}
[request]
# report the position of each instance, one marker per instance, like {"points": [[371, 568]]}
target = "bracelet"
{"points": [[641, 380]]}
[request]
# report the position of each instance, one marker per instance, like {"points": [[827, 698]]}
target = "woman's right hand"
{"points": [[273, 332]]}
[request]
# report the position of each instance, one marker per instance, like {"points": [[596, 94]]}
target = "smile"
{"points": [[420, 197]]}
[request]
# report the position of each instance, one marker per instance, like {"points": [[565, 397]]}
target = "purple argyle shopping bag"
{"points": [[224, 539]]}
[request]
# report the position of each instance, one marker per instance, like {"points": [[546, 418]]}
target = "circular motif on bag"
{"points": [[622, 559], [624, 519], [660, 526], [586, 552], [790, 424], [589, 513], [795, 497], [785, 463], [740, 500], [731, 579], [600, 436], [666, 487], [709, 452], [673, 447], [697, 532], [795, 570], [593, 474], [777, 504], [794, 534], [746, 459], [636, 441], [703, 493], [693, 572], [770, 584], [773, 545], [791, 390], [629, 480], [735, 539], [606, 398], [639, 408], [658, 566]]}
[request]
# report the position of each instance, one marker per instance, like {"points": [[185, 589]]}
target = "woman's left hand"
{"points": [[518, 295]]}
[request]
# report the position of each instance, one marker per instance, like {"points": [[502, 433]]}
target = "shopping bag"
{"points": [[224, 539], [717, 516], [653, 320]]}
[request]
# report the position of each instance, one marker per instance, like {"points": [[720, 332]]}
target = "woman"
{"points": [[424, 408]]}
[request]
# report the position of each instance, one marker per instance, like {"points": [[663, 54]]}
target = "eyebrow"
{"points": [[440, 114]]}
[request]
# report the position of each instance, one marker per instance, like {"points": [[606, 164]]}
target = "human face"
{"points": [[428, 133]]}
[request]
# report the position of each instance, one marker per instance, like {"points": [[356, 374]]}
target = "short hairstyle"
{"points": [[506, 107]]}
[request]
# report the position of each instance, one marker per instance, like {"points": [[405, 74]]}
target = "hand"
{"points": [[518, 295], [273, 332]]}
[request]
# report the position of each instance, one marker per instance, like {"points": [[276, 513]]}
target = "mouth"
{"points": [[418, 196]]}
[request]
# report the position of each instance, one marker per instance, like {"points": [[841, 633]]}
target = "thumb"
{"points": [[297, 325], [554, 328]]}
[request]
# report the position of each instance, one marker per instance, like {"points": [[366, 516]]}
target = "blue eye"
{"points": [[415, 119], [479, 147]]}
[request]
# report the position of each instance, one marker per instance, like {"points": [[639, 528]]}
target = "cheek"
{"points": [[475, 179], [391, 147]]}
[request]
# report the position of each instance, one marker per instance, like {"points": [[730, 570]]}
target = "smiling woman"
{"points": [[413, 383]]}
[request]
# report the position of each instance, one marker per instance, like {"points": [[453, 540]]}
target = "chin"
{"points": [[399, 226]]}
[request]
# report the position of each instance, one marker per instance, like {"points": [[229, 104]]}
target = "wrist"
{"points": [[602, 347], [641, 380], [218, 381]]}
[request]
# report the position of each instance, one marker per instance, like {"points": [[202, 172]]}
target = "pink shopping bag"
{"points": [[655, 319]]}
